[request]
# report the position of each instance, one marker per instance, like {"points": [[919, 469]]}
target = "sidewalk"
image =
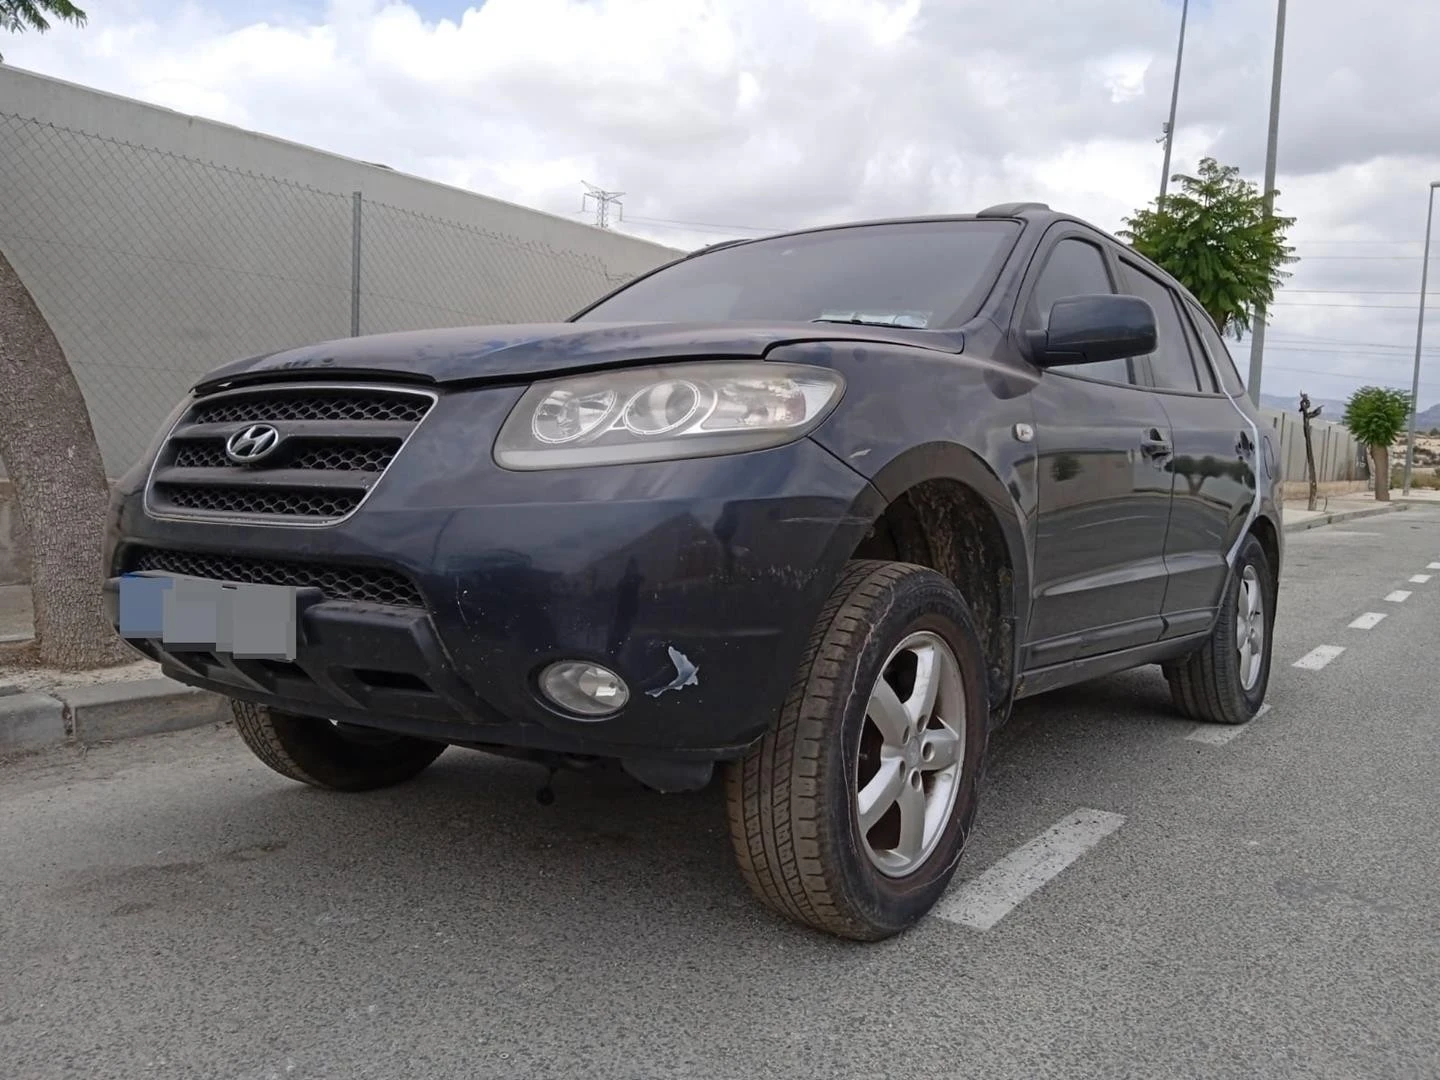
{"points": [[1337, 508], [41, 708]]}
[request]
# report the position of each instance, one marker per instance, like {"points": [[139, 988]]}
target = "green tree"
{"points": [[1214, 238], [48, 448], [1377, 416], [18, 15]]}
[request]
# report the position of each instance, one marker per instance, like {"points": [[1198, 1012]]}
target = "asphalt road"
{"points": [[1269, 906]]}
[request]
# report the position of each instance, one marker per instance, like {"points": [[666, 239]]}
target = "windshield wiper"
{"points": [[888, 324]]}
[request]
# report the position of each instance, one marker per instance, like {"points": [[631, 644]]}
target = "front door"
{"points": [[1103, 447]]}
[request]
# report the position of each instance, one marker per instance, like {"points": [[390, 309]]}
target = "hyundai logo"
{"points": [[252, 444]]}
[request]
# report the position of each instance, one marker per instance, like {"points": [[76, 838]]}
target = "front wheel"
{"points": [[1224, 681], [850, 816], [323, 754]]}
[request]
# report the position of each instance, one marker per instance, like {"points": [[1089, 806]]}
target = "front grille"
{"points": [[242, 500], [356, 457], [334, 444], [278, 403], [369, 584]]}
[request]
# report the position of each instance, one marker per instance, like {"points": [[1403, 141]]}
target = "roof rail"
{"points": [[1011, 209]]}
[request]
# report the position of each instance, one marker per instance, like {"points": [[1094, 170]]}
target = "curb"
{"points": [[1335, 517], [103, 712]]}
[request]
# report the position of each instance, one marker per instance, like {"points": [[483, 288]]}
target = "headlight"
{"points": [[659, 414]]}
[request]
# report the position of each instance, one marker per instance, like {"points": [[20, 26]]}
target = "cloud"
{"points": [[723, 117]]}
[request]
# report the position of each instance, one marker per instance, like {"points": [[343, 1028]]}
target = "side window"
{"points": [[1202, 368], [1170, 363], [1073, 268], [1219, 355]]}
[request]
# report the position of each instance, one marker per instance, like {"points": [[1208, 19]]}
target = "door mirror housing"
{"points": [[1093, 329]]}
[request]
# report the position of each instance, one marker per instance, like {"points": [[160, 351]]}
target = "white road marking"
{"points": [[1319, 656], [1368, 621], [983, 901], [1432, 566], [1399, 596], [1419, 579], [1220, 734]]}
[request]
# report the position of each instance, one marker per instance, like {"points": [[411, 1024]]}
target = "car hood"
{"points": [[466, 354]]}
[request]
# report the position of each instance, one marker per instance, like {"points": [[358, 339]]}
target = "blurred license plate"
{"points": [[245, 621]]}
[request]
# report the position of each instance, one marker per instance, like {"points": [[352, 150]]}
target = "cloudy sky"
{"points": [[723, 118]]}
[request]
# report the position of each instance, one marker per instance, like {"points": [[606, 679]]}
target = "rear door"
{"points": [[1104, 498], [1214, 456]]}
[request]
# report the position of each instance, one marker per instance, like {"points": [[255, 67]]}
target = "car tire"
{"points": [[337, 757], [794, 800], [1221, 683]]}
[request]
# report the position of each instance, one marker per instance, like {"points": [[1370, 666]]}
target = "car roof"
{"points": [[1038, 215]]}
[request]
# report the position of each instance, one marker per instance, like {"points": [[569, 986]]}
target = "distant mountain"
{"points": [[1334, 410], [1428, 418]]}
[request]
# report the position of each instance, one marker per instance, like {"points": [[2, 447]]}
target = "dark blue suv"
{"points": [[817, 507]]}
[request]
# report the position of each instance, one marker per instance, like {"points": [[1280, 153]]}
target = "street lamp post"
{"points": [[1419, 334], [1257, 334], [1174, 101]]}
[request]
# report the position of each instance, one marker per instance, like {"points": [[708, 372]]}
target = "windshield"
{"points": [[924, 275]]}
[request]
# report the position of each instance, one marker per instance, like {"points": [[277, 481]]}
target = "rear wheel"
{"points": [[851, 815], [1224, 681], [323, 754]]}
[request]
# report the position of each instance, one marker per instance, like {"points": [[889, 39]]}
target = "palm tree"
{"points": [[48, 448]]}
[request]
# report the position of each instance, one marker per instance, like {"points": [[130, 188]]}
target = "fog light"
{"points": [[584, 689]]}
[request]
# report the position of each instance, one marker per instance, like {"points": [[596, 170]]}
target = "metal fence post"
{"points": [[355, 265]]}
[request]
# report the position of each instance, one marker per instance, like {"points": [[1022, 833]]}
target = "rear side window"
{"points": [[1171, 362], [1207, 377], [1219, 354], [1073, 268]]}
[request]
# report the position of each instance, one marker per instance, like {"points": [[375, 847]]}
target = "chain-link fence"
{"points": [[153, 267]]}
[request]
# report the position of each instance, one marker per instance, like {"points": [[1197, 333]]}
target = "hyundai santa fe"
{"points": [[816, 509]]}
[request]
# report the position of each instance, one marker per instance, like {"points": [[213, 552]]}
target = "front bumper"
{"points": [[727, 560]]}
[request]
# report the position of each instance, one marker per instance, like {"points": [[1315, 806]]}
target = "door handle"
{"points": [[1155, 445]]}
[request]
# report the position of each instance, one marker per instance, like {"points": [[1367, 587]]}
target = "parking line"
{"points": [[1368, 621], [1419, 579], [1399, 596], [1319, 656], [983, 901], [1220, 734]]}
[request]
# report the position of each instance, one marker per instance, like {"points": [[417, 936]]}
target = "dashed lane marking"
{"points": [[1419, 579], [983, 901], [1432, 566], [1319, 656], [1399, 596], [1368, 621], [1220, 734]]}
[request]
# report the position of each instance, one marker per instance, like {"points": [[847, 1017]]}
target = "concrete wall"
{"points": [[160, 245]]}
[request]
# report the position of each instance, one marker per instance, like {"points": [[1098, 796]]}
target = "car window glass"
{"points": [[1073, 268], [1170, 363], [1202, 368], [1224, 362], [918, 275]]}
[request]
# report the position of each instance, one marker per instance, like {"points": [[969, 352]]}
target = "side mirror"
{"points": [[1093, 329]]}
